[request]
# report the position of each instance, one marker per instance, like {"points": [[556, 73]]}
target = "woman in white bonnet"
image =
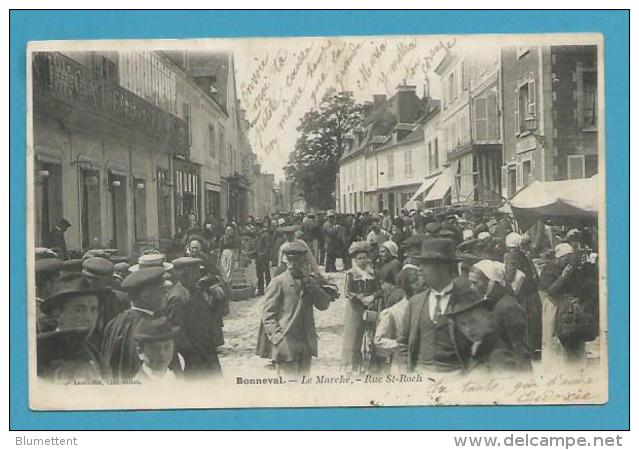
{"points": [[488, 278], [515, 260]]}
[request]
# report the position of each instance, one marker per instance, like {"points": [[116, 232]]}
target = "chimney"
{"points": [[378, 100], [427, 87], [408, 105]]}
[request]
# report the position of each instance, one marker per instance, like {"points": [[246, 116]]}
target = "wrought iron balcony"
{"points": [[60, 78]]}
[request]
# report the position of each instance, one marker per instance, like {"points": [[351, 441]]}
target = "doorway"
{"points": [[119, 216]]}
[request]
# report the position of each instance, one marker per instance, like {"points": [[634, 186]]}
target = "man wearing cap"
{"points": [[57, 241], [490, 352], [376, 237], [287, 315], [155, 340], [310, 264], [428, 338], [66, 354], [197, 312], [564, 281], [99, 275], [147, 292]]}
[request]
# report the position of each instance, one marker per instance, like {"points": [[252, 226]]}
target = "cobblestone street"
{"points": [[242, 325]]}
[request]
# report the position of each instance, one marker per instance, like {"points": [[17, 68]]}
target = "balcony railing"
{"points": [[58, 77]]}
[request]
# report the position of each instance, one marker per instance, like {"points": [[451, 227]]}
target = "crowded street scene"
{"points": [[440, 221]]}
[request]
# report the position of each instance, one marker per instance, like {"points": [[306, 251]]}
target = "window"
{"points": [[576, 167], [186, 109], [391, 166], [408, 162], [486, 116], [139, 208], [221, 145], [525, 107], [452, 87], [164, 204], [430, 157], [436, 156], [211, 141], [526, 172], [371, 178], [587, 98]]}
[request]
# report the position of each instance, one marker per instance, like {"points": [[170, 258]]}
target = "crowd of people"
{"points": [[432, 291]]}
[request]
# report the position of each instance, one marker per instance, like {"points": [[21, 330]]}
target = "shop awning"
{"points": [[440, 188], [426, 185], [563, 202]]}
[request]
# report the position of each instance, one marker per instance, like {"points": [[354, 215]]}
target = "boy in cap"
{"points": [[197, 313], [146, 290], [65, 353], [155, 340], [489, 351], [287, 315]]}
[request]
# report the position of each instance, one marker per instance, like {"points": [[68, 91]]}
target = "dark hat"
{"points": [[97, 267], [290, 228], [440, 249], [119, 259], [121, 267], [48, 265], [467, 303], [64, 222], [433, 227], [446, 233], [185, 261], [294, 247], [97, 253], [141, 278], [67, 287], [155, 330], [72, 265]]}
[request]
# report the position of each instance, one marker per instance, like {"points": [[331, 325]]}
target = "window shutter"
{"points": [[518, 178], [517, 127], [532, 104], [504, 181]]}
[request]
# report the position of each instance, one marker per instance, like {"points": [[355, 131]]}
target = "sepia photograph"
{"points": [[317, 221]]}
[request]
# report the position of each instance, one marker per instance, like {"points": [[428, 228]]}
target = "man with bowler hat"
{"points": [[287, 316], [428, 339], [146, 290]]}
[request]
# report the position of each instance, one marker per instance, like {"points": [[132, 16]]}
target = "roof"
{"points": [[209, 69]]}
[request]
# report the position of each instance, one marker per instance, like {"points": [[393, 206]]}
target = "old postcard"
{"points": [[308, 222]]}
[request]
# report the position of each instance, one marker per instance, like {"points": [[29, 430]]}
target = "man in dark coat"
{"points": [[262, 259], [57, 241], [147, 292], [331, 241], [196, 313], [288, 313], [428, 339], [99, 275]]}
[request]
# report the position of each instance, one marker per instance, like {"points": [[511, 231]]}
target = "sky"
{"points": [[278, 80]]}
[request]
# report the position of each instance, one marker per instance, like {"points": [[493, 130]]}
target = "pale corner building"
{"points": [[133, 147], [385, 161]]}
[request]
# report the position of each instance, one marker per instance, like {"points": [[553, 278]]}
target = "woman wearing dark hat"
{"points": [[66, 353], [363, 294]]}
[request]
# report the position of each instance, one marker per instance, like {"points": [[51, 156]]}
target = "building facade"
{"points": [[550, 110], [132, 147]]}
